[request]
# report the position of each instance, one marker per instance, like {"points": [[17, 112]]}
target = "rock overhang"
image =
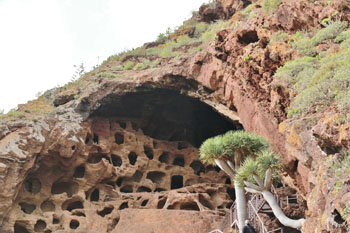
{"points": [[135, 146], [174, 108]]}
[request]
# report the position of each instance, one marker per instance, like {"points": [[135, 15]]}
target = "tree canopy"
{"points": [[230, 144]]}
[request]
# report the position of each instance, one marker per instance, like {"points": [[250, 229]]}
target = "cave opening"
{"points": [[179, 160], [156, 177], [19, 229], [137, 176], [126, 189], [124, 205], [176, 182], [164, 157], [116, 160], [248, 37], [69, 188], [143, 189], [27, 208], [189, 206], [144, 202], [132, 158], [48, 206], [165, 114], [39, 226], [74, 224], [79, 172], [197, 167], [95, 195], [148, 152], [105, 211], [119, 138], [32, 185], [72, 205]]}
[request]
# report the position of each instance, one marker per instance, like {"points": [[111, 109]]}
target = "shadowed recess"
{"points": [[167, 115], [27, 208], [107, 210], [74, 224], [18, 228], [39, 226]]}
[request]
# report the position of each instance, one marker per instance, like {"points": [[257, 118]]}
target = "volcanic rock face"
{"points": [[123, 156], [92, 176]]}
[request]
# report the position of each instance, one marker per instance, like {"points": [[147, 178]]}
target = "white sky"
{"points": [[41, 40]]}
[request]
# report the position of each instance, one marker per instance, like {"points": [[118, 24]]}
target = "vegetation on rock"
{"points": [[228, 151], [319, 79]]}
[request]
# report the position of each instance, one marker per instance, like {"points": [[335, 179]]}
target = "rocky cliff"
{"points": [[117, 150]]}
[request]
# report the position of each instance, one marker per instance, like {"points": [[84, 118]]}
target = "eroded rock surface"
{"points": [[128, 146], [113, 167]]}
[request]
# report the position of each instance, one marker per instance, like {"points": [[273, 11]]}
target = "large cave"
{"points": [[166, 114], [138, 151]]}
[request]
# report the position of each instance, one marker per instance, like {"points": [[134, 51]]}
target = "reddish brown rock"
{"points": [[127, 149]]}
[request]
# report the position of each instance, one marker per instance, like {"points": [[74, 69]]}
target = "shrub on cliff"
{"points": [[319, 83], [270, 6], [307, 46], [321, 80], [210, 34]]}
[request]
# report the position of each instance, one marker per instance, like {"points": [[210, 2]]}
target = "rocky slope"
{"points": [[116, 150]]}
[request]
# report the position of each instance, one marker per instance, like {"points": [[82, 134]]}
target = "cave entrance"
{"points": [[165, 114]]}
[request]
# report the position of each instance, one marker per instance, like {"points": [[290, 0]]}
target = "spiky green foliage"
{"points": [[225, 146], [211, 149], [266, 159], [246, 171], [249, 142]]}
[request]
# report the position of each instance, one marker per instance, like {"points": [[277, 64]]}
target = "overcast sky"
{"points": [[41, 40]]}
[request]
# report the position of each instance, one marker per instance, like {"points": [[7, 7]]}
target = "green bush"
{"points": [[210, 34], [270, 6], [249, 12], [138, 66], [298, 69], [307, 46], [345, 35], [279, 36], [183, 40], [167, 49], [329, 32], [128, 65], [344, 39], [13, 114], [340, 169], [319, 82], [200, 28], [161, 38]]}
